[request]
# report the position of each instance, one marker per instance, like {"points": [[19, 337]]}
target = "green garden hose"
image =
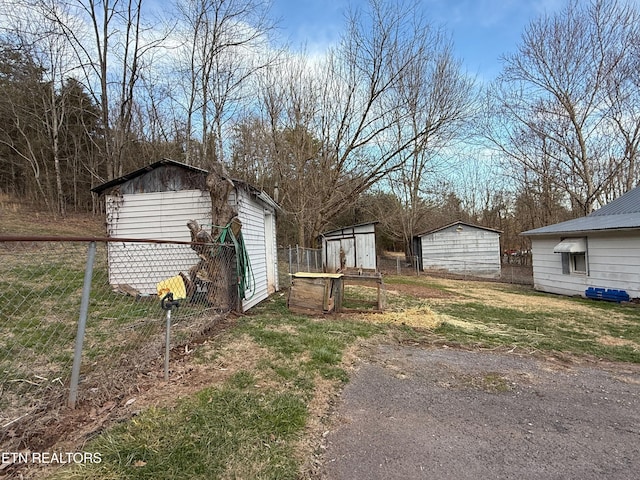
{"points": [[244, 272]]}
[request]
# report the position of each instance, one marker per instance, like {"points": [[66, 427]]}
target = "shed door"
{"points": [[348, 246], [270, 253]]}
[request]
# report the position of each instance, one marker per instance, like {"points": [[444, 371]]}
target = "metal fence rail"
{"points": [[516, 271], [293, 259], [41, 325]]}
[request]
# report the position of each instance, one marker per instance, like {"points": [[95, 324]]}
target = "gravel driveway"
{"points": [[413, 412]]}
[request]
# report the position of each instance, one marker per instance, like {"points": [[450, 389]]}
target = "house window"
{"points": [[573, 253], [579, 262]]}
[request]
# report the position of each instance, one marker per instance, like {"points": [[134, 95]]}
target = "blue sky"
{"points": [[481, 30]]}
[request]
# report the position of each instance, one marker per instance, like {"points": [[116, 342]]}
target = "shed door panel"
{"points": [[333, 253]]}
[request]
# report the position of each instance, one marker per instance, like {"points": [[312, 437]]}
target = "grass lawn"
{"points": [[262, 420], [252, 425], [270, 379]]}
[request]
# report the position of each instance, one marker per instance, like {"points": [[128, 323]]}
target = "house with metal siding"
{"points": [[356, 245], [156, 202], [600, 250], [461, 248]]}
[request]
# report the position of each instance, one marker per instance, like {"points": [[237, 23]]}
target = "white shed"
{"points": [[461, 248], [599, 251], [156, 202], [356, 244]]}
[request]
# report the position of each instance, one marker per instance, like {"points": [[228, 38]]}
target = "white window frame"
{"points": [[572, 259]]}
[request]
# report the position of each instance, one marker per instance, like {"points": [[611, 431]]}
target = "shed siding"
{"points": [[157, 216], [251, 214], [613, 261], [358, 243], [366, 251], [164, 216], [272, 252], [468, 250]]}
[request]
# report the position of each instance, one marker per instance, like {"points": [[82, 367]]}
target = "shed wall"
{"points": [[157, 216], [165, 179], [163, 216], [252, 215], [358, 243], [469, 250], [613, 261]]}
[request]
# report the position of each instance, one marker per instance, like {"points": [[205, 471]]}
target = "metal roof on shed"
{"points": [[350, 229], [479, 227], [621, 213]]}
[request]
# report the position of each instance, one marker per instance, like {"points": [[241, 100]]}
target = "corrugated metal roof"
{"points": [[624, 204], [428, 232], [349, 228], [621, 213]]}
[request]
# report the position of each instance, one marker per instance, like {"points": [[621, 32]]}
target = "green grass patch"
{"points": [[249, 426], [419, 281], [231, 432], [613, 336]]}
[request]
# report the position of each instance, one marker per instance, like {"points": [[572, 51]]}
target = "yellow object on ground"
{"points": [[174, 285]]}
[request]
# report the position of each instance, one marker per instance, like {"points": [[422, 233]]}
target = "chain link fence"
{"points": [[293, 259], [515, 270], [47, 287]]}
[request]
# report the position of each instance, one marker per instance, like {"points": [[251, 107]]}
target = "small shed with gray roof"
{"points": [[600, 251], [352, 247], [460, 248]]}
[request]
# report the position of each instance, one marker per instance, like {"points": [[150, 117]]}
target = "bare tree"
{"points": [[290, 102], [436, 104], [341, 124], [56, 56], [221, 42], [558, 111], [110, 47]]}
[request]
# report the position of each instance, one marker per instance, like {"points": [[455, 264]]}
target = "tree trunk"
{"points": [[217, 267]]}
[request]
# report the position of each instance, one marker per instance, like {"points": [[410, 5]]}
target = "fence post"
{"points": [[290, 260], [167, 345], [398, 268], [82, 323]]}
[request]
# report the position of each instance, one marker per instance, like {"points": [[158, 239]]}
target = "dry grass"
{"points": [[416, 317], [22, 220]]}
